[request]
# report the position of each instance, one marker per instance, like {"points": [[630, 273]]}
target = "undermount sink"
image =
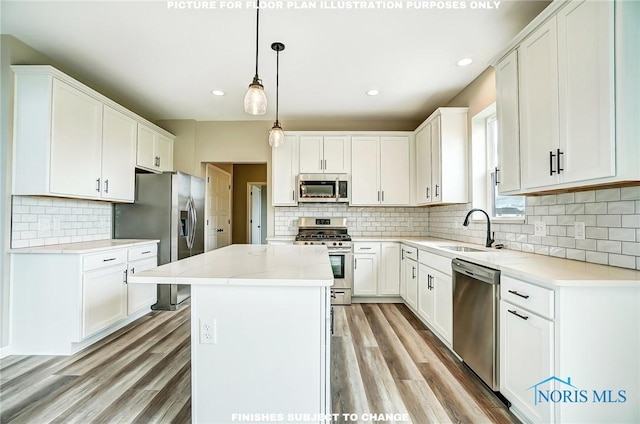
{"points": [[461, 249]]}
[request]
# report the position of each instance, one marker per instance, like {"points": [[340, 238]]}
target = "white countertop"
{"points": [[247, 264], [84, 246]]}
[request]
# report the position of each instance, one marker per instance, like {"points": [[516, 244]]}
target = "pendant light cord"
{"points": [[257, 35], [277, 82]]}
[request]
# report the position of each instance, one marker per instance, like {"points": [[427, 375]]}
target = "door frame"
{"points": [[248, 223], [210, 167]]}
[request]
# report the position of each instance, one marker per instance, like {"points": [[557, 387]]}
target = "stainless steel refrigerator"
{"points": [[168, 207]]}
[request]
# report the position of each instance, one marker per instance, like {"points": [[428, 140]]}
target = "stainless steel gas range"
{"points": [[332, 232]]}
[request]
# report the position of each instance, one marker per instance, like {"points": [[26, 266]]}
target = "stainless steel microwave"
{"points": [[323, 188]]}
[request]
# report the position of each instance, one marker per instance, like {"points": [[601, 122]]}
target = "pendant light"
{"points": [[276, 135], [255, 101]]}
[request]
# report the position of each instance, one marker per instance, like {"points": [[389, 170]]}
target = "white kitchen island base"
{"points": [[260, 331], [267, 353]]}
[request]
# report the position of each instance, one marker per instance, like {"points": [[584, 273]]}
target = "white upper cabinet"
{"points": [[155, 151], [119, 134], [380, 171], [284, 172], [325, 154], [70, 141], [76, 139], [441, 157], [575, 70], [586, 84], [507, 107]]}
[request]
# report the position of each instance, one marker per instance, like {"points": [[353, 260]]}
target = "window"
{"points": [[485, 147]]}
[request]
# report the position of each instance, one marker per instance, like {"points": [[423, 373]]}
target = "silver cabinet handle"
{"points": [[106, 186], [378, 195], [364, 248], [109, 260], [325, 164], [383, 195], [133, 270], [124, 276], [427, 192], [98, 185], [293, 195], [413, 272], [436, 190], [355, 263], [146, 252], [321, 164]]}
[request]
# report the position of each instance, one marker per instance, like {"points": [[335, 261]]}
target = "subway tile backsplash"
{"points": [[39, 221], [611, 218], [362, 221]]}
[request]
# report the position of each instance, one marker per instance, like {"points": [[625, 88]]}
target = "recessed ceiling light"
{"points": [[217, 92], [372, 93], [465, 61]]}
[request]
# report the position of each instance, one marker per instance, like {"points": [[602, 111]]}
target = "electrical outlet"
{"points": [[208, 331], [578, 230], [539, 228]]}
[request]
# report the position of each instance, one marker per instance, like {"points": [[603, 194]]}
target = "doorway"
{"points": [[218, 208], [256, 213]]}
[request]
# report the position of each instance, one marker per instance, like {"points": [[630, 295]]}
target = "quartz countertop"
{"points": [[84, 246], [248, 265], [544, 270]]}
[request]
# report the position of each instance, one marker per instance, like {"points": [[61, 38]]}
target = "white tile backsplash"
{"points": [[38, 221], [611, 217]]}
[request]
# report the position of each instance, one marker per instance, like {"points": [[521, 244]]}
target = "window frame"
{"points": [[482, 165]]}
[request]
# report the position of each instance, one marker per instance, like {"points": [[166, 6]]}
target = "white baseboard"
{"points": [[372, 299], [5, 351]]}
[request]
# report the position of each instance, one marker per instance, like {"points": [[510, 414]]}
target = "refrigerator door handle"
{"points": [[194, 217], [189, 223]]}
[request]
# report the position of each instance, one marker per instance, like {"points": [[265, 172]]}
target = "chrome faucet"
{"points": [[489, 241]]}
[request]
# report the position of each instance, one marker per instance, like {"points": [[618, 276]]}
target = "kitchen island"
{"points": [[260, 330]]}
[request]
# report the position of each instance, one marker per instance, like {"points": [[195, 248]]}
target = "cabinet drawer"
{"points": [[529, 296], [104, 259], [409, 253], [437, 262], [143, 252], [366, 247]]}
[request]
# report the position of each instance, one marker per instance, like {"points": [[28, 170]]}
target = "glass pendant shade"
{"points": [[255, 101], [276, 135]]}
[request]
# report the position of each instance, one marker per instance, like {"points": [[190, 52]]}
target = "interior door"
{"points": [[218, 211], [256, 215]]}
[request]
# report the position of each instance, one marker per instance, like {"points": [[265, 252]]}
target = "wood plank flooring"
{"points": [[384, 361]]}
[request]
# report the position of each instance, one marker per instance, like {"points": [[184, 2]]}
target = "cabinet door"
{"points": [[539, 106], [426, 299], [436, 160], [423, 165], [442, 285], [336, 154], [403, 277], [119, 133], [164, 153], [76, 139], [365, 171], [311, 157], [412, 283], [586, 103], [365, 275], [104, 298], [146, 151], [394, 170], [284, 172], [141, 296], [507, 107], [389, 275], [526, 358]]}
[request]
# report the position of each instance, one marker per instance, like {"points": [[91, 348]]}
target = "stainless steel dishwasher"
{"points": [[476, 291]]}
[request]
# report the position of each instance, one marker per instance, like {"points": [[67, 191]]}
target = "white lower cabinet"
{"points": [[435, 294], [526, 357], [570, 354], [66, 299], [104, 298], [409, 275], [376, 270]]}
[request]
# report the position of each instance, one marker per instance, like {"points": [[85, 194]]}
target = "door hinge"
{"points": [[207, 222], [208, 179], [229, 186], [228, 221]]}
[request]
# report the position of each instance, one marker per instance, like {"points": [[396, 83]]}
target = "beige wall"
{"points": [[477, 95], [243, 174]]}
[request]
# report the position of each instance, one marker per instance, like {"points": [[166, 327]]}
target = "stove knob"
{"points": [[306, 242], [322, 242], [334, 243], [339, 244]]}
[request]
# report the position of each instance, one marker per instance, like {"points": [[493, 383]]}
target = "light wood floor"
{"points": [[383, 361]]}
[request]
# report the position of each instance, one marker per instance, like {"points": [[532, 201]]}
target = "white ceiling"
{"points": [[167, 60]]}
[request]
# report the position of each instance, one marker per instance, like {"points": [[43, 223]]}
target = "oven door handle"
{"points": [[339, 251]]}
